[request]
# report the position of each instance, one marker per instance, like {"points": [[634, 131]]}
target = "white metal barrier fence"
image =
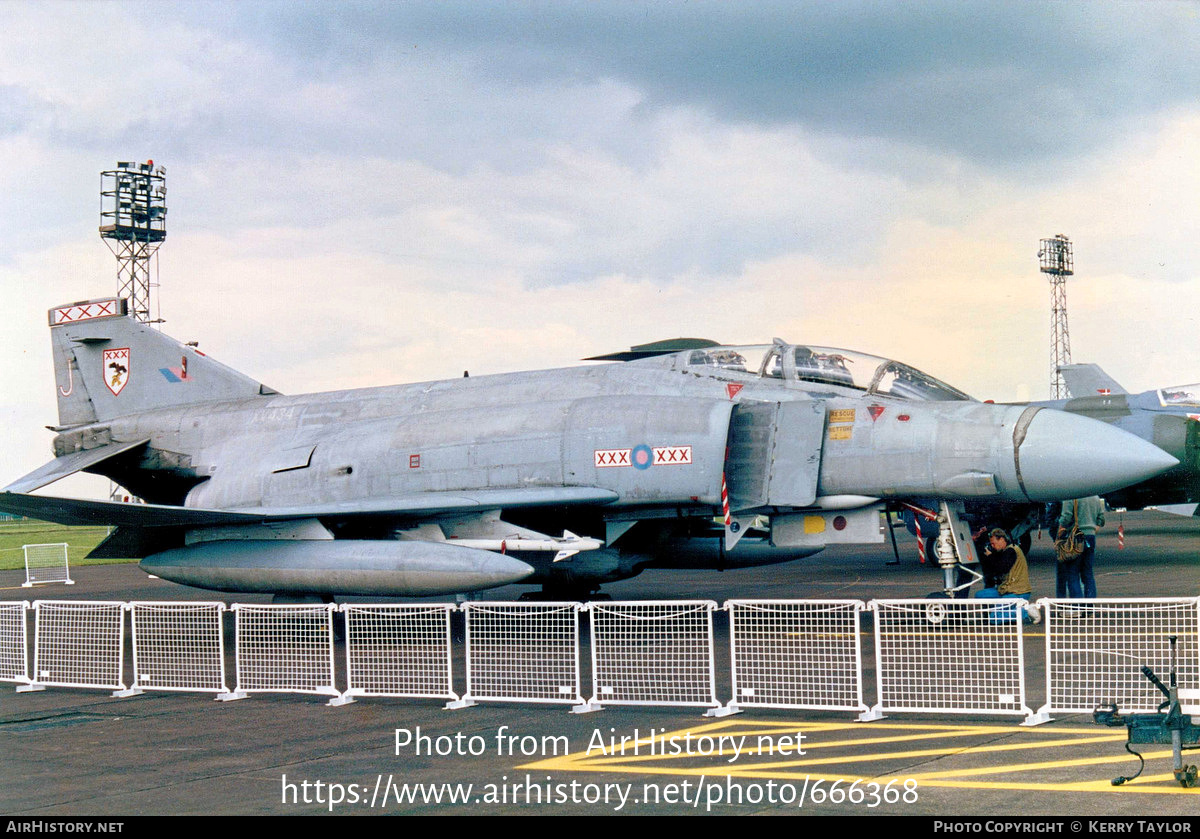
{"points": [[79, 644], [178, 647], [931, 656], [950, 656], [46, 564], [1095, 650], [796, 654], [653, 653], [399, 650], [285, 648], [14, 643], [523, 652]]}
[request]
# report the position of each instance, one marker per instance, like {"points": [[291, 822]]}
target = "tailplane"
{"points": [[106, 364]]}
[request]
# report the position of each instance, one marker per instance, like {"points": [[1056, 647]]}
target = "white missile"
{"points": [[566, 546]]}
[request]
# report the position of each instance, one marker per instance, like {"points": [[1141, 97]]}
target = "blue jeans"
{"points": [[1086, 559], [1002, 615], [1075, 578]]}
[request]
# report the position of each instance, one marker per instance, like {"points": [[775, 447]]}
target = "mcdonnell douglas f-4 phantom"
{"points": [[569, 478]]}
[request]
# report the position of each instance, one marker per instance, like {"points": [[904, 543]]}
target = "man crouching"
{"points": [[1006, 573]]}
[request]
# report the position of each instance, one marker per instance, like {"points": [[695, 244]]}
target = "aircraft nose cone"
{"points": [[1068, 456]]}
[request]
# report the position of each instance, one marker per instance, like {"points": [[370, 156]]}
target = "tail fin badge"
{"points": [[116, 369]]}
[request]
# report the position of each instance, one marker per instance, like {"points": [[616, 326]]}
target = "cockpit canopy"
{"points": [[826, 366], [1180, 396]]}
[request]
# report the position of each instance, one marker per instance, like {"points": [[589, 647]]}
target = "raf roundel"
{"points": [[643, 457]]}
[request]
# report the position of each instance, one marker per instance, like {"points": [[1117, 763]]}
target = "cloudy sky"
{"points": [[372, 193]]}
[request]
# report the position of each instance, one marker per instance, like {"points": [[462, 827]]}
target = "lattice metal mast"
{"points": [[1055, 258], [133, 223]]}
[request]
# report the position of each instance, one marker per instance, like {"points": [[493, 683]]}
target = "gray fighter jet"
{"points": [[568, 478], [1169, 417]]}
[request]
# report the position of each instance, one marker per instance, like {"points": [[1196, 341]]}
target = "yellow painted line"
{"points": [[663, 740], [915, 753], [1142, 784], [733, 729], [801, 760], [1033, 767], [1072, 786], [997, 728], [800, 767], [1100, 784]]}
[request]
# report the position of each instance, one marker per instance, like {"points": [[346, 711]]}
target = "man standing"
{"points": [[1077, 578]]}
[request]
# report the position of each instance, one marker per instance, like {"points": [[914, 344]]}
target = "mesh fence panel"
{"points": [[394, 650], [1095, 650], [796, 654], [526, 652], [653, 653], [950, 656], [79, 644], [285, 648], [14, 643], [178, 646], [46, 564]]}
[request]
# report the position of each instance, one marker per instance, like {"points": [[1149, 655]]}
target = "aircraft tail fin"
{"points": [[106, 364], [1088, 380]]}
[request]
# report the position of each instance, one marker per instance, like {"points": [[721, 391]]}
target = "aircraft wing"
{"points": [[69, 464], [1178, 509], [1088, 380], [78, 511], [75, 511]]}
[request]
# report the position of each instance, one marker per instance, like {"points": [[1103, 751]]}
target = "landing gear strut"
{"points": [[952, 549]]}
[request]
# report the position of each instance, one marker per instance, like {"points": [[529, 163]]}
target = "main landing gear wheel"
{"points": [[935, 612]]}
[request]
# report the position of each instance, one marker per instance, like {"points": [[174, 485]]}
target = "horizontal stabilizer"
{"points": [[1088, 380], [69, 464]]}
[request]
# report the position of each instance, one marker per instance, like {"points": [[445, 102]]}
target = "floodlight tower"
{"points": [[1056, 259], [133, 223]]}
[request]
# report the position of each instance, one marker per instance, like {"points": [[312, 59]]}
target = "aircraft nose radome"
{"points": [[1068, 456]]}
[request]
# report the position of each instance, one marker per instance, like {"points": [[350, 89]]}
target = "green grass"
{"points": [[80, 540]]}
